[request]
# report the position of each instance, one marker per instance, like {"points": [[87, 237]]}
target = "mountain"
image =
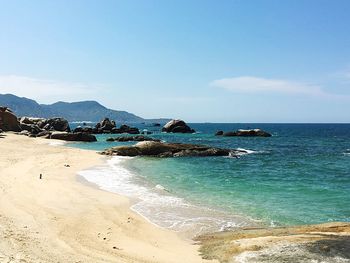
{"points": [[74, 111]]}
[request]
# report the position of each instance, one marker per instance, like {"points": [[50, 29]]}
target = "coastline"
{"points": [[65, 218], [158, 205], [61, 219]]}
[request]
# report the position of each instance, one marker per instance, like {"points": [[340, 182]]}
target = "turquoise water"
{"points": [[300, 175]]}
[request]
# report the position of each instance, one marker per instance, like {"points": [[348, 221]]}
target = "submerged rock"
{"points": [[246, 133], [70, 136], [177, 126], [160, 149], [137, 138], [218, 133]]}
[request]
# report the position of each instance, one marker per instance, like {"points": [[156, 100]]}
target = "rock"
{"points": [[160, 149], [126, 129], [137, 138], [57, 124], [177, 126], [24, 132], [156, 124], [86, 129], [54, 124], [26, 120], [219, 133], [248, 133], [32, 128], [8, 120], [70, 136], [44, 133], [105, 125], [147, 132]]}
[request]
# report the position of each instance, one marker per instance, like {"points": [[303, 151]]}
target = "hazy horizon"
{"points": [[201, 61]]}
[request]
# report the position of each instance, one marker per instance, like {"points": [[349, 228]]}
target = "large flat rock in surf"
{"points": [[329, 242], [160, 149]]}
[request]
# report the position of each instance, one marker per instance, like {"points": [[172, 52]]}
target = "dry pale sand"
{"points": [[59, 219]]}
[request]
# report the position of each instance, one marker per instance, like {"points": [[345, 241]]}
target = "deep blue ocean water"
{"points": [[300, 175]]}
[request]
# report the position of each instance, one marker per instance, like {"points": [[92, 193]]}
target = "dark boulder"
{"points": [[147, 132], [177, 126], [248, 133], [219, 133], [54, 124], [8, 120], [26, 120], [105, 125], [125, 129], [70, 136], [86, 129], [160, 149], [31, 128], [44, 134], [137, 138]]}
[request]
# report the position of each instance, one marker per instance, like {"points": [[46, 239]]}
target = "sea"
{"points": [[300, 175]]}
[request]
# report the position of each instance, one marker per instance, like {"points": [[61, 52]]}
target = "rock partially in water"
{"points": [[329, 242], [137, 138], [70, 136], [105, 126], [86, 129], [125, 129], [160, 149], [177, 126], [219, 133], [247, 133]]}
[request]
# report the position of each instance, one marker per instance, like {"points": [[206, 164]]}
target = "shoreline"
{"points": [[61, 219], [66, 218], [157, 205]]}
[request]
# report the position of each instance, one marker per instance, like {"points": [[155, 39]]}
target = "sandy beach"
{"points": [[60, 219]]}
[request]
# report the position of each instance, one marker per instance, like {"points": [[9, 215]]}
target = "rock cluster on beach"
{"points": [[160, 149], [137, 138], [53, 128], [244, 133], [107, 126], [177, 126]]}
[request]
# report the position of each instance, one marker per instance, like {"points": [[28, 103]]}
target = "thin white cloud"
{"points": [[186, 99], [342, 76], [249, 84], [44, 90]]}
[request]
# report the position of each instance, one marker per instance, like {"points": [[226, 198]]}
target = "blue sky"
{"points": [[215, 61]]}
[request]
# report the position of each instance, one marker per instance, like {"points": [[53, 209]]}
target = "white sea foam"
{"points": [[56, 143], [242, 151], [156, 204], [78, 122], [246, 151]]}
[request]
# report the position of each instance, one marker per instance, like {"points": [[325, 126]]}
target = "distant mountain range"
{"points": [[74, 111]]}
